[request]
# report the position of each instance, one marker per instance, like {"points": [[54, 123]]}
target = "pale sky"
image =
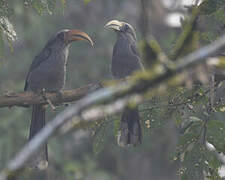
{"points": [[173, 19]]}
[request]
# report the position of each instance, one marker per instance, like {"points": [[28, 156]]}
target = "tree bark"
{"points": [[26, 99]]}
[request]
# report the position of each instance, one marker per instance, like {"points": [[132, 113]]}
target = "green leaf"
{"points": [[208, 7], [99, 135], [185, 141], [216, 134], [199, 162], [194, 119], [152, 118], [214, 165], [193, 164]]}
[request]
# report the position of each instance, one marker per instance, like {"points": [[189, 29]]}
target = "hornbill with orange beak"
{"points": [[126, 60], [48, 72]]}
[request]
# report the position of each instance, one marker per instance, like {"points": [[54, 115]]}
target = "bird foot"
{"points": [[59, 94], [43, 93]]}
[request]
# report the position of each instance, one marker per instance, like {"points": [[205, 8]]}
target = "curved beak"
{"points": [[77, 35], [114, 24]]}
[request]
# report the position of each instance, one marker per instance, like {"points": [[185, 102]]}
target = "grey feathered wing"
{"points": [[40, 159]]}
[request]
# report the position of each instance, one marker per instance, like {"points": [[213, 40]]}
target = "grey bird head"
{"points": [[66, 36], [56, 50], [122, 28]]}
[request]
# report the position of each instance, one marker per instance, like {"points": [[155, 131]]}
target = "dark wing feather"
{"points": [[36, 62], [134, 50]]}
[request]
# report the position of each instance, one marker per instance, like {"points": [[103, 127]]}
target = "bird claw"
{"points": [[43, 93], [59, 94]]}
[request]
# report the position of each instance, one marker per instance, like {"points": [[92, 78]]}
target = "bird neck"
{"points": [[125, 38], [59, 53], [124, 41]]}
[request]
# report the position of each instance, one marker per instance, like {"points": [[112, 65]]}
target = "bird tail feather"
{"points": [[130, 128], [40, 159]]}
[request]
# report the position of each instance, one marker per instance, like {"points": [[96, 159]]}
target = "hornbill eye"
{"points": [[126, 27], [61, 36]]}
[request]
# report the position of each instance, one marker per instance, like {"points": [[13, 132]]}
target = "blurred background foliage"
{"points": [[174, 125]]}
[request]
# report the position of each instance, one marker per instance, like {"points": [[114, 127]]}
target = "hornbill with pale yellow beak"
{"points": [[48, 72], [126, 60]]}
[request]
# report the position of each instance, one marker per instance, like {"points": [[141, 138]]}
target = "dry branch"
{"points": [[28, 98]]}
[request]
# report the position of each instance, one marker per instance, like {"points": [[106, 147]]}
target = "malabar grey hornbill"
{"points": [[126, 60], [48, 73]]}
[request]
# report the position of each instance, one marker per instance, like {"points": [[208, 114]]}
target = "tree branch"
{"points": [[28, 98], [112, 100]]}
